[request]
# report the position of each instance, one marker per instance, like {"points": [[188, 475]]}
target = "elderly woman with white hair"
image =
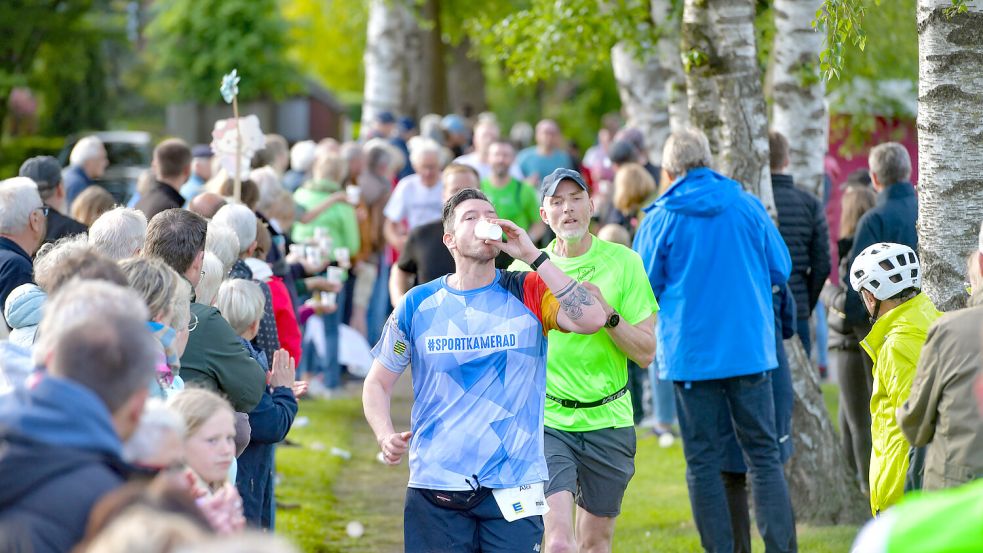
{"points": [[418, 198], [242, 221], [301, 161], [119, 233], [168, 297], [88, 161]]}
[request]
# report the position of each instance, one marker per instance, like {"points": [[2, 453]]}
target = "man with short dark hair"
{"points": [[172, 167], [477, 342], [546, 156], [214, 357], [45, 171], [61, 440], [425, 258], [802, 223]]}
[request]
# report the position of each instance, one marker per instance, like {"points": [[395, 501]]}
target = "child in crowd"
{"points": [[241, 303], [209, 450], [888, 278]]}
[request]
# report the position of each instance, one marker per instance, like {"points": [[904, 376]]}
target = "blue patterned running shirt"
{"points": [[478, 362]]}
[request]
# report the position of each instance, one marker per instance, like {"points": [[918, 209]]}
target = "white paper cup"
{"points": [[319, 233], [297, 249], [335, 274], [314, 256], [343, 257], [483, 230], [329, 299], [353, 194]]}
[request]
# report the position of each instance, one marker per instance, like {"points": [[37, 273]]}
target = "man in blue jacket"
{"points": [[713, 255]]}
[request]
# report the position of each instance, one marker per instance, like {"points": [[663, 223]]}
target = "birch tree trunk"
{"points": [[723, 84], [950, 146], [384, 58], [799, 111], [822, 490], [652, 90]]}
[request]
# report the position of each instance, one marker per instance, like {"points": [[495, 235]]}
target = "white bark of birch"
{"points": [[950, 146], [384, 58], [724, 88], [650, 88], [799, 111]]}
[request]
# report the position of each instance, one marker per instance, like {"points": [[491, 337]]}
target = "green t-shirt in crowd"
{"points": [[516, 201], [590, 367]]}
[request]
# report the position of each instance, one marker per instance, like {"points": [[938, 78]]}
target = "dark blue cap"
{"points": [[556, 177], [202, 150], [386, 118]]}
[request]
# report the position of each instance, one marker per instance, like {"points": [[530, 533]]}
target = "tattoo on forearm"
{"points": [[565, 290], [573, 302]]}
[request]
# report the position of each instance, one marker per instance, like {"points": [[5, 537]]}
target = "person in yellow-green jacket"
{"points": [[947, 521], [888, 278]]}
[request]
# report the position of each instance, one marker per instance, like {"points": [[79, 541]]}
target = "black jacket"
{"points": [[15, 268], [802, 222], [162, 196], [60, 226], [891, 220]]}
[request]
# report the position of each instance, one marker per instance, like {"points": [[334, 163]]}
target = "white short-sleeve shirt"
{"points": [[415, 203]]}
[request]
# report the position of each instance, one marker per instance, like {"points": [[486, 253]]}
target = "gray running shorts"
{"points": [[594, 466]]}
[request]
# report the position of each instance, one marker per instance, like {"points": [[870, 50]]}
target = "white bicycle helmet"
{"points": [[885, 269]]}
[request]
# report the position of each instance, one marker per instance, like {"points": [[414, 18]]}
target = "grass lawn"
{"points": [[327, 492]]}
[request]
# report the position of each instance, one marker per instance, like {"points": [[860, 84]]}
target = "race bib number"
{"points": [[521, 502]]}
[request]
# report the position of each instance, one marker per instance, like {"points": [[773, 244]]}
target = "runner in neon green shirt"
{"points": [[513, 199], [589, 429]]}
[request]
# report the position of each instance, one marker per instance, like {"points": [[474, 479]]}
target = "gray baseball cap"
{"points": [[43, 170], [554, 179]]}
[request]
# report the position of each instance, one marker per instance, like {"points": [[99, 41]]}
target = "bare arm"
{"points": [[637, 341], [395, 234], [579, 311], [400, 283], [376, 395], [320, 208]]}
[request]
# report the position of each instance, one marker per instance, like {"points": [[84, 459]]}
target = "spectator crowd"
{"points": [[157, 348]]}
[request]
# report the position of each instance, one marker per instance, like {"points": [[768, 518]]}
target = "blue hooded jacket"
{"points": [[60, 454], [712, 255]]}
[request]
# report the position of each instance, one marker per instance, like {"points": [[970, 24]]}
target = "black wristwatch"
{"points": [[613, 320]]}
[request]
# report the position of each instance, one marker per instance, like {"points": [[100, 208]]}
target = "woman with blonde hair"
{"points": [[634, 188], [168, 298], [855, 379], [210, 448], [91, 203]]}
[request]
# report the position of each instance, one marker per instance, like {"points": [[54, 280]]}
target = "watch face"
{"points": [[613, 320]]}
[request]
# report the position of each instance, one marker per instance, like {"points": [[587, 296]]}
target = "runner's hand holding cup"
{"points": [[519, 245]]}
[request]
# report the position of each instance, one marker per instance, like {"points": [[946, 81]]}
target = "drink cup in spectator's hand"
{"points": [[343, 257], [353, 194], [314, 255], [335, 274]]}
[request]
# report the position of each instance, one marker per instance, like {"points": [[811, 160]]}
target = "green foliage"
{"points": [[16, 149], [548, 38], [327, 40], [194, 42], [957, 7], [576, 103], [841, 22], [27, 27]]}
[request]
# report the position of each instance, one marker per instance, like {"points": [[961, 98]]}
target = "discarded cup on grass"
{"points": [[354, 529], [343, 453]]}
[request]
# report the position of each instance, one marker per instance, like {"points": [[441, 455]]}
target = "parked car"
{"points": [[129, 155]]}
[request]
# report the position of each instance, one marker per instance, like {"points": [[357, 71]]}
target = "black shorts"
{"points": [[595, 466], [428, 528]]}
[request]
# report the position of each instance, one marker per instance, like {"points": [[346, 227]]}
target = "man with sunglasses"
{"points": [[22, 229]]}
